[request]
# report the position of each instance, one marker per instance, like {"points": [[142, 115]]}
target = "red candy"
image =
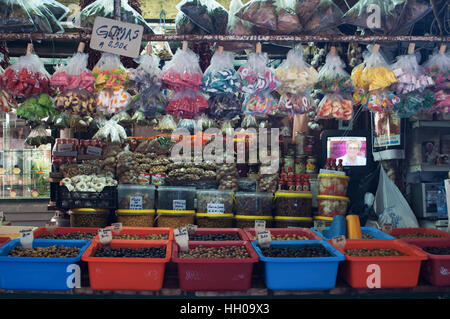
{"points": [[178, 82], [24, 83], [187, 107], [64, 81]]}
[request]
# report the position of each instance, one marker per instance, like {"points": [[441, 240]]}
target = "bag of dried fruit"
{"points": [[325, 16], [208, 15]]}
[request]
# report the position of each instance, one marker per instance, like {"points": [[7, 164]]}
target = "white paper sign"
{"points": [[339, 241], [117, 228], [191, 228], [179, 204], [92, 150], [260, 226], [65, 147], [26, 238], [116, 37], [264, 239], [182, 238], [136, 202], [105, 236], [213, 208]]}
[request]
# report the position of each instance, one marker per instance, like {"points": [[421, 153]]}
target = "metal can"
{"points": [[144, 179], [310, 165], [158, 179]]}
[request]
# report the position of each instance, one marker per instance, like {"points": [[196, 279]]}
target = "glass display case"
{"points": [[24, 169]]}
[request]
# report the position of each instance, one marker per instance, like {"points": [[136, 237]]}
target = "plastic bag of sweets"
{"points": [[26, 77], [413, 102], [59, 10], [336, 106], [255, 77], [333, 77], [410, 75], [113, 101], [288, 21], [208, 15], [105, 8], [109, 73], [259, 104], [224, 106], [438, 67], [187, 104], [290, 104], [261, 13], [325, 16], [220, 76], [183, 72], [74, 75], [380, 101]]}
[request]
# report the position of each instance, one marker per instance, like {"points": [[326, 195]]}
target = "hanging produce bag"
{"points": [[187, 104], [105, 8], [438, 67], [224, 106], [261, 13], [39, 136], [161, 49], [208, 15], [237, 26], [77, 102], [410, 75], [332, 76], [111, 132], [413, 103], [59, 10], [113, 101], [336, 106], [74, 75], [220, 76], [109, 73], [325, 16], [36, 108], [183, 71]]}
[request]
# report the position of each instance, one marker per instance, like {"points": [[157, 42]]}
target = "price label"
{"points": [[213, 208], [191, 228], [182, 238], [117, 228], [26, 238], [105, 236], [179, 204], [116, 37], [136, 202], [65, 147], [339, 241], [387, 228], [319, 225], [92, 150], [50, 227], [264, 239], [260, 226]]}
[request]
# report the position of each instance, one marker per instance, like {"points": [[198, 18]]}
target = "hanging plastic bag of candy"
{"points": [[438, 67], [220, 76], [290, 104], [159, 48], [333, 77], [288, 21], [208, 15], [413, 103], [113, 101], [336, 106], [111, 132], [59, 10], [261, 13], [187, 104], [325, 16], [410, 75], [105, 8], [74, 75], [183, 71], [224, 106], [109, 73], [76, 102], [237, 26]]}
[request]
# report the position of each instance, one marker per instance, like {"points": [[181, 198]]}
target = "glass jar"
{"points": [[289, 164], [330, 206], [89, 217], [333, 184], [136, 218], [300, 165], [214, 220], [294, 204], [310, 165]]}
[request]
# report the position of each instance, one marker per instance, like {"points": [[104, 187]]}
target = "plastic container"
{"points": [[109, 273], [42, 231], [38, 273], [254, 204], [215, 274], [330, 206], [306, 232], [174, 219], [207, 220], [366, 232], [243, 221], [353, 227], [227, 231], [107, 199], [386, 271], [435, 270], [176, 198], [215, 201], [409, 235], [139, 197], [4, 240], [309, 273], [136, 218], [142, 232], [287, 221], [293, 204], [89, 217], [333, 184]]}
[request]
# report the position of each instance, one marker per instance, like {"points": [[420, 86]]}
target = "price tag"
{"points": [[116, 37], [387, 228], [179, 204], [191, 228], [136, 202], [50, 227], [26, 238], [339, 241], [65, 147], [105, 236], [213, 208], [260, 226], [92, 150], [319, 225], [182, 238], [117, 228], [264, 239]]}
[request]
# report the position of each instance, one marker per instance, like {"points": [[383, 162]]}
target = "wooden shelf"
{"points": [[436, 124]]}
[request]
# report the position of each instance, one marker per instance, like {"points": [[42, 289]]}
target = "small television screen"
{"points": [[351, 149]]}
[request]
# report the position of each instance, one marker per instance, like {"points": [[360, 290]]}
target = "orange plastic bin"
{"points": [[109, 273], [382, 271], [142, 232]]}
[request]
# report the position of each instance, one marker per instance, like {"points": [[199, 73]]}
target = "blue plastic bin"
{"points": [[376, 233], [309, 273], [38, 273]]}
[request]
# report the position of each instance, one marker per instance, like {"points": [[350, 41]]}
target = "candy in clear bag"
{"points": [[261, 13], [413, 103], [237, 26], [335, 106], [332, 76], [410, 75], [187, 104], [183, 71], [326, 15], [224, 105], [74, 75], [208, 15], [109, 73], [220, 76], [254, 75], [438, 67]]}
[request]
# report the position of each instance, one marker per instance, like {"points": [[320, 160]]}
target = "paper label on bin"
{"points": [[191, 228], [182, 238], [105, 236], [387, 228], [260, 226], [213, 208], [136, 202], [264, 239], [319, 225], [26, 238], [339, 241], [65, 147], [92, 150], [117, 228], [179, 204]]}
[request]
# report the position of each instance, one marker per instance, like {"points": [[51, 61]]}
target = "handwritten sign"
{"points": [[116, 37], [136, 202], [26, 238], [182, 238], [339, 241], [264, 239], [191, 228], [179, 204], [260, 226], [117, 228], [213, 208], [105, 236], [92, 150]]}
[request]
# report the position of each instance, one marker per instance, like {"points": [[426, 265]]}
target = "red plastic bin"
{"points": [[382, 272], [251, 233], [4, 240], [143, 231], [219, 274], [109, 273], [226, 231], [406, 231], [435, 270], [42, 231]]}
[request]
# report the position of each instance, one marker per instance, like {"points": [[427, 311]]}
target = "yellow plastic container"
{"points": [[210, 220], [136, 217], [288, 221], [89, 217], [353, 227], [327, 220], [174, 218]]}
